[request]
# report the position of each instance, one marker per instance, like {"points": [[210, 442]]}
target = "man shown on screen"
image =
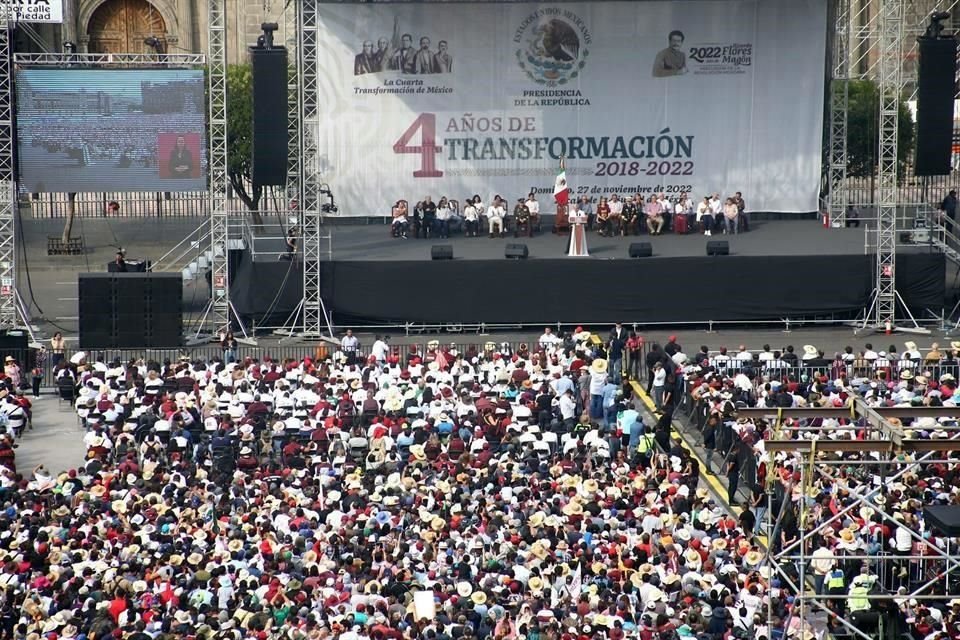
{"points": [[181, 160], [671, 61]]}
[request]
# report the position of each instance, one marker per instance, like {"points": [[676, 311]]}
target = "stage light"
{"points": [[266, 40], [935, 28]]}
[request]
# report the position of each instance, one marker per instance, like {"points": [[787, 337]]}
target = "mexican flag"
{"points": [[560, 188]]}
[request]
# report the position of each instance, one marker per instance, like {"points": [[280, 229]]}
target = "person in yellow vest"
{"points": [[860, 592]]}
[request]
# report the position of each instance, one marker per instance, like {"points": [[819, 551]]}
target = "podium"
{"points": [[578, 236]]}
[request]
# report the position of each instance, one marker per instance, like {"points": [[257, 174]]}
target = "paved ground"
{"points": [[56, 438]]}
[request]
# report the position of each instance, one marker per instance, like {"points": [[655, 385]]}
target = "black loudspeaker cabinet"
{"points": [[718, 248], [441, 252], [641, 250], [516, 251], [269, 154], [130, 310], [936, 84]]}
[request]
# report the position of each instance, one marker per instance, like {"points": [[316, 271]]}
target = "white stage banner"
{"points": [[47, 11], [452, 99]]}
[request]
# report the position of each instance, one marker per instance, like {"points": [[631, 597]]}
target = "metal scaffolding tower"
{"points": [[890, 87], [310, 319], [889, 454], [9, 314], [219, 312], [839, 104], [292, 37], [882, 312]]}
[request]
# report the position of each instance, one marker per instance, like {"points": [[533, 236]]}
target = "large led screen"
{"points": [[111, 130]]}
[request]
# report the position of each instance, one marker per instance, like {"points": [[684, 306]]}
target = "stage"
{"points": [[780, 269]]}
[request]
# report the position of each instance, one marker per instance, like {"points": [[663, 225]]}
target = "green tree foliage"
{"points": [[863, 117], [240, 136]]}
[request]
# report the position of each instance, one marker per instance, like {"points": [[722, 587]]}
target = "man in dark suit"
{"points": [[616, 342], [181, 160]]}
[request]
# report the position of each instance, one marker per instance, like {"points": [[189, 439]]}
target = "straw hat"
{"points": [[753, 558], [573, 508], [464, 589], [535, 583], [416, 450], [478, 597], [536, 520], [599, 365]]}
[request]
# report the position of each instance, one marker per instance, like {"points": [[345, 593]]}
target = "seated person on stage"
{"points": [[481, 210], [716, 210], [471, 221], [630, 218], [443, 217], [521, 214], [654, 215], [603, 217], [666, 210], [429, 217], [705, 216], [616, 213], [400, 222], [417, 219], [683, 209], [534, 208], [495, 216]]}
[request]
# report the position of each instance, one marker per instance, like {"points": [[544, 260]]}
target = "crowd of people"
{"points": [[610, 216], [501, 491], [860, 523]]}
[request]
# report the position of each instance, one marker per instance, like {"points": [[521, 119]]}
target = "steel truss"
{"points": [[219, 316], [839, 106], [310, 319], [9, 312], [813, 609], [292, 37], [882, 312]]}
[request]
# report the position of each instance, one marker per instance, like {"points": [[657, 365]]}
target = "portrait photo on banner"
{"points": [[398, 53]]}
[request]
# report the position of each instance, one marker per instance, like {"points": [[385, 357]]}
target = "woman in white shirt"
{"points": [[704, 217], [470, 219], [495, 217], [443, 217]]}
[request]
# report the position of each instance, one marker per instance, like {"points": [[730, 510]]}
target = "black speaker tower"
{"points": [[269, 159], [936, 86], [130, 310]]}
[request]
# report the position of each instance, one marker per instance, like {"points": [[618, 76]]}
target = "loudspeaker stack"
{"points": [[130, 310]]}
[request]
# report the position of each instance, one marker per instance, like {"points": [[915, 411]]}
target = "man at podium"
{"points": [[578, 232]]}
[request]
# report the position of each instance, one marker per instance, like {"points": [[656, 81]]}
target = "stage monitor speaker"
{"points": [[441, 252], [641, 249], [515, 251], [718, 248], [269, 153], [936, 85]]}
